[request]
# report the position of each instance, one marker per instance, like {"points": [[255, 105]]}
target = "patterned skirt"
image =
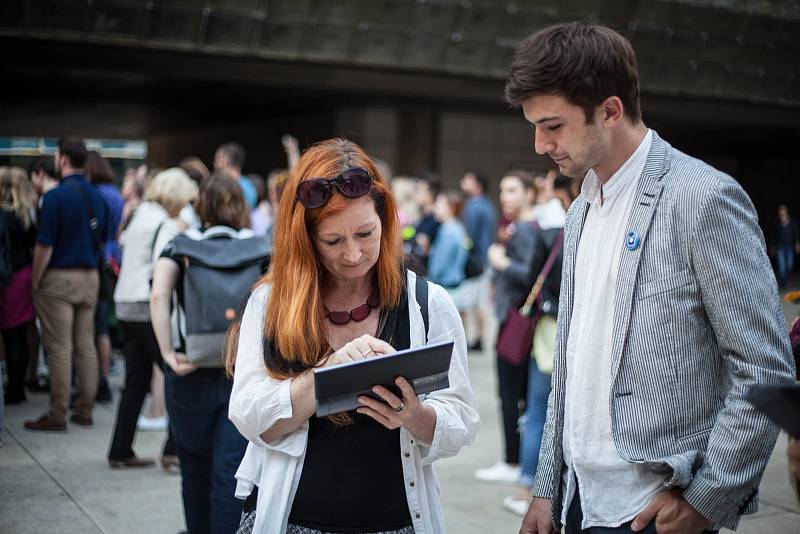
{"points": [[249, 520]]}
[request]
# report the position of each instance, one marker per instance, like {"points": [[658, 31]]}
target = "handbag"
{"points": [[516, 334]]}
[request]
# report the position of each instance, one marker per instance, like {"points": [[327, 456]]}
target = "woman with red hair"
{"points": [[337, 291]]}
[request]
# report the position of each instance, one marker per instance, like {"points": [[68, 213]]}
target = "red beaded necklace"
{"points": [[357, 314]]}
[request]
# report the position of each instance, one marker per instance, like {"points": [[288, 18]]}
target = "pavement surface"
{"points": [[61, 483]]}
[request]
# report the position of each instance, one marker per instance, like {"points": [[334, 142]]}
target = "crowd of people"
{"points": [[81, 261], [227, 290], [89, 259]]}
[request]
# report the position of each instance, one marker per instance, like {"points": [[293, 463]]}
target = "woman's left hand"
{"points": [[394, 412]]}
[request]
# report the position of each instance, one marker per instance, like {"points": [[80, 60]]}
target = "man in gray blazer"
{"points": [[669, 310]]}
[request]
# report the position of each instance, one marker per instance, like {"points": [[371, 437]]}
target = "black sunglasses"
{"points": [[352, 183]]}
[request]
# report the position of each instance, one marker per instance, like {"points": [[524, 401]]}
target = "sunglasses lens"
{"points": [[339, 317], [354, 183], [313, 193], [360, 313]]}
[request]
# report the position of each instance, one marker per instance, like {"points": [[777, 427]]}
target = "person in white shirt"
{"points": [[151, 227], [337, 292], [647, 427]]}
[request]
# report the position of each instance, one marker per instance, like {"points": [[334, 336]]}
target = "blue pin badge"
{"points": [[632, 241]]}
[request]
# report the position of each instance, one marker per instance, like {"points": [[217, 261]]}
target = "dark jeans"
{"points": [[140, 350], [785, 260], [512, 386], [209, 448], [575, 516], [15, 342]]}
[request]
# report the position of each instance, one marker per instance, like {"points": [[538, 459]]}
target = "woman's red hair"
{"points": [[295, 320]]}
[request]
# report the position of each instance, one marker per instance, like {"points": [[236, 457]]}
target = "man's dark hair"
{"points": [[75, 150], [563, 183], [235, 153], [431, 179], [482, 179], [42, 164], [433, 186], [585, 63]]}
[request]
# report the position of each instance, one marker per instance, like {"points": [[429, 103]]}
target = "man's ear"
{"points": [[611, 111]]}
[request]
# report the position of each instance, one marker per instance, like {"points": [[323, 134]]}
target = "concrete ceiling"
{"points": [[728, 50]]}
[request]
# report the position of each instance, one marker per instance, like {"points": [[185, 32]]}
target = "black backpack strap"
{"points": [[422, 300], [155, 237]]}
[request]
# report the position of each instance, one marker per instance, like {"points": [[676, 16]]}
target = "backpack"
{"points": [[475, 264], [217, 278]]}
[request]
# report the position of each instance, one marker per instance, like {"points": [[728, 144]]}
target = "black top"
{"points": [[786, 235], [21, 240], [352, 479], [429, 226]]}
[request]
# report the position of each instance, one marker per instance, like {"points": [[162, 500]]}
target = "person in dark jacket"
{"points": [[512, 263], [551, 217], [18, 233], [785, 244]]}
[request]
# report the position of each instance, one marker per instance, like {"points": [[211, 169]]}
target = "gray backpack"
{"points": [[218, 274]]}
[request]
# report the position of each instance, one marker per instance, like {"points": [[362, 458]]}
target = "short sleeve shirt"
{"points": [[64, 224]]}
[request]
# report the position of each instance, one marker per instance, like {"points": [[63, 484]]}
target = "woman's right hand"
{"points": [[360, 348], [179, 363]]}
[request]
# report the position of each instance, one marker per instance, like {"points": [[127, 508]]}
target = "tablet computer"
{"points": [[337, 388]]}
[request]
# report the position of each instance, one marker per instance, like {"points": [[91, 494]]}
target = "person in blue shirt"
{"points": [[480, 217], [229, 158], [100, 174], [69, 246], [448, 255], [480, 220]]}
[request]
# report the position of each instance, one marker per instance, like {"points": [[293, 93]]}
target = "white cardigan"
{"points": [[139, 252], [258, 401]]}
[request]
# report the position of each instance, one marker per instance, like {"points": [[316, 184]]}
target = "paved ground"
{"points": [[61, 483]]}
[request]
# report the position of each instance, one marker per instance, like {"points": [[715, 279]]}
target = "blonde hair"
{"points": [[17, 195], [173, 189]]}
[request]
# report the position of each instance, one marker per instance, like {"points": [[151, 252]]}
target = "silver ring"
{"points": [[400, 408], [364, 354]]}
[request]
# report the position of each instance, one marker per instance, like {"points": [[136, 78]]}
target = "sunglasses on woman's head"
{"points": [[352, 183]]}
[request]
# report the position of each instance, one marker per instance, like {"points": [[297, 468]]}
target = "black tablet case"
{"points": [[337, 388], [780, 403]]}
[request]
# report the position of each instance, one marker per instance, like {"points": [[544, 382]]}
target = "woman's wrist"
{"points": [[423, 423]]}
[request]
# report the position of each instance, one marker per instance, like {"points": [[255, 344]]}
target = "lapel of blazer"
{"points": [[572, 236], [647, 196]]}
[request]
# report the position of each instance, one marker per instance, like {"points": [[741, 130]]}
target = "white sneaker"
{"points": [[151, 423], [516, 506], [499, 473]]}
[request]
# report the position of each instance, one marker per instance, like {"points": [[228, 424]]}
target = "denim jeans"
{"points": [[209, 449], [785, 260], [533, 421]]}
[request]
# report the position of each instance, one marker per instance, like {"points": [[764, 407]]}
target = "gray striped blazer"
{"points": [[697, 321]]}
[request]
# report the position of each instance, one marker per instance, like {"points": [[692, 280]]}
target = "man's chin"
{"points": [[571, 171]]}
